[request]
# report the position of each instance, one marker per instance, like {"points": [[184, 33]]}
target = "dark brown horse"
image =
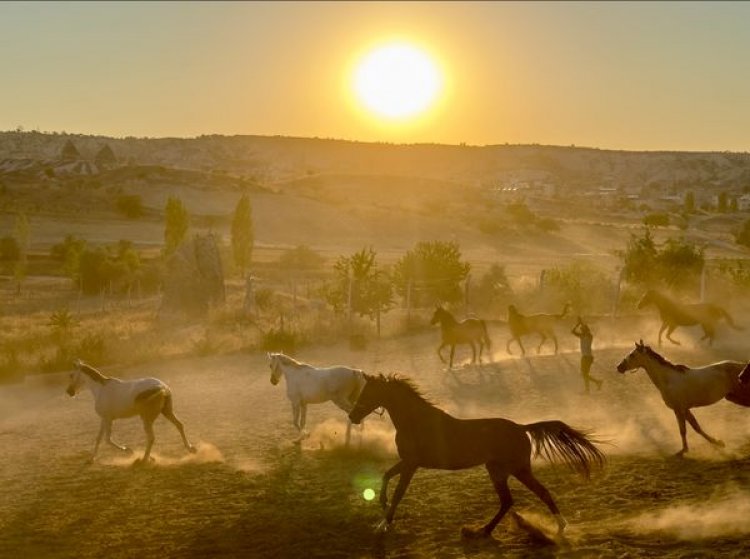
{"points": [[674, 314], [427, 437], [522, 325], [470, 331]]}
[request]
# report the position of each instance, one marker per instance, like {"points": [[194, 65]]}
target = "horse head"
{"points": [[634, 359], [372, 397], [438, 315], [745, 374], [274, 363], [76, 380]]}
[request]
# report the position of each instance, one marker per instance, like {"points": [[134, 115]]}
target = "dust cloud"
{"points": [[724, 514], [374, 435]]}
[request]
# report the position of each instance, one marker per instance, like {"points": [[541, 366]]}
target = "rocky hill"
{"points": [[269, 160]]}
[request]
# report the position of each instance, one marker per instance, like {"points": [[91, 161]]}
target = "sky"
{"points": [[614, 75]]}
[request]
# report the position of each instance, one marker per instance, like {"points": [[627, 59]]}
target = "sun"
{"points": [[397, 81]]}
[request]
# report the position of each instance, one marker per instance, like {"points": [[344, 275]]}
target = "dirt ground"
{"points": [[251, 491]]}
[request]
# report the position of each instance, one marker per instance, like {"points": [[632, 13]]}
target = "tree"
{"points": [[721, 204], [21, 235], [177, 221], [434, 271], [690, 201], [242, 234], [639, 259], [371, 288], [680, 263], [300, 259], [742, 237], [677, 264]]}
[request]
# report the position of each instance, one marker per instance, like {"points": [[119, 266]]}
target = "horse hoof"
{"points": [[720, 444], [127, 450], [192, 449], [382, 527]]}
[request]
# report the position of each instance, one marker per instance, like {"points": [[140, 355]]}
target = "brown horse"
{"points": [[543, 324], [469, 331], [427, 437], [675, 314]]}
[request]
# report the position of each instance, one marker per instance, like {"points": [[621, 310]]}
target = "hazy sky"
{"points": [[612, 75]]}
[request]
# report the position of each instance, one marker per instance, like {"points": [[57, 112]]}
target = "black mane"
{"points": [[664, 361], [404, 383]]}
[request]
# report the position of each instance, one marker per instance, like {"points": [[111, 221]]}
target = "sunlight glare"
{"points": [[397, 81], [368, 494]]}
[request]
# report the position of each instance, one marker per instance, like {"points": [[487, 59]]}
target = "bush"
{"points": [[584, 286], [130, 205], [656, 220], [434, 270], [279, 339]]}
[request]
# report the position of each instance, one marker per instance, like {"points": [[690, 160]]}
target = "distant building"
{"points": [[743, 203]]}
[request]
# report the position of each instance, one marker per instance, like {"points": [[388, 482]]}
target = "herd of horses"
{"points": [[428, 437]]}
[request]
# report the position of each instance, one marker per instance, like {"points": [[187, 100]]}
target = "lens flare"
{"points": [[368, 494]]}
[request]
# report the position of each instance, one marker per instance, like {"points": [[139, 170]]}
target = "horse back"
{"points": [[448, 443]]}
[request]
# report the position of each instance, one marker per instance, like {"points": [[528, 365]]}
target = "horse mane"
{"points": [[404, 383], [92, 373], [290, 360], [664, 361]]}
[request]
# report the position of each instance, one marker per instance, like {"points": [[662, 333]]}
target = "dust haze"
{"points": [[536, 229]]}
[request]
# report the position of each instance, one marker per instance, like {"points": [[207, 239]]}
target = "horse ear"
{"points": [[639, 344]]}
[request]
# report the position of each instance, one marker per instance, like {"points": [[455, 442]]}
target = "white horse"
{"points": [[116, 399], [306, 384], [683, 387]]}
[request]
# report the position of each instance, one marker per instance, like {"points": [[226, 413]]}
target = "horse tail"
{"points": [[485, 334], [565, 310], [728, 318], [557, 441]]}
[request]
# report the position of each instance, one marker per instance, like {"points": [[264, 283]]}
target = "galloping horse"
{"points": [[469, 331], [675, 314], [427, 437], [306, 384], [543, 324], [683, 387], [116, 399]]}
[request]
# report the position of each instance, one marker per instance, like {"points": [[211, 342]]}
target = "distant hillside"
{"points": [[269, 160]]}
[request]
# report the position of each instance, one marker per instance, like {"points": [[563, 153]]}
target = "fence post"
{"points": [[703, 283], [467, 290]]}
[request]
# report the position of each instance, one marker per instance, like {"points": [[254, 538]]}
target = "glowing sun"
{"points": [[397, 81]]}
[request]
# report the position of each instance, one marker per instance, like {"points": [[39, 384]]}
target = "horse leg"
{"points": [[499, 479], [295, 414], [407, 472], [683, 432], [102, 429], [148, 426], [172, 418], [541, 342], [669, 334], [439, 350], [507, 346], [708, 333], [108, 435], [554, 339], [526, 477], [697, 428], [474, 352], [661, 331], [392, 471], [302, 416], [453, 351]]}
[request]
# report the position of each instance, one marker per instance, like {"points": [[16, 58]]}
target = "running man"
{"points": [[586, 338]]}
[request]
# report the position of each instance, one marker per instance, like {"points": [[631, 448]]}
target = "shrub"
{"points": [[434, 270], [130, 205], [656, 220], [279, 339]]}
